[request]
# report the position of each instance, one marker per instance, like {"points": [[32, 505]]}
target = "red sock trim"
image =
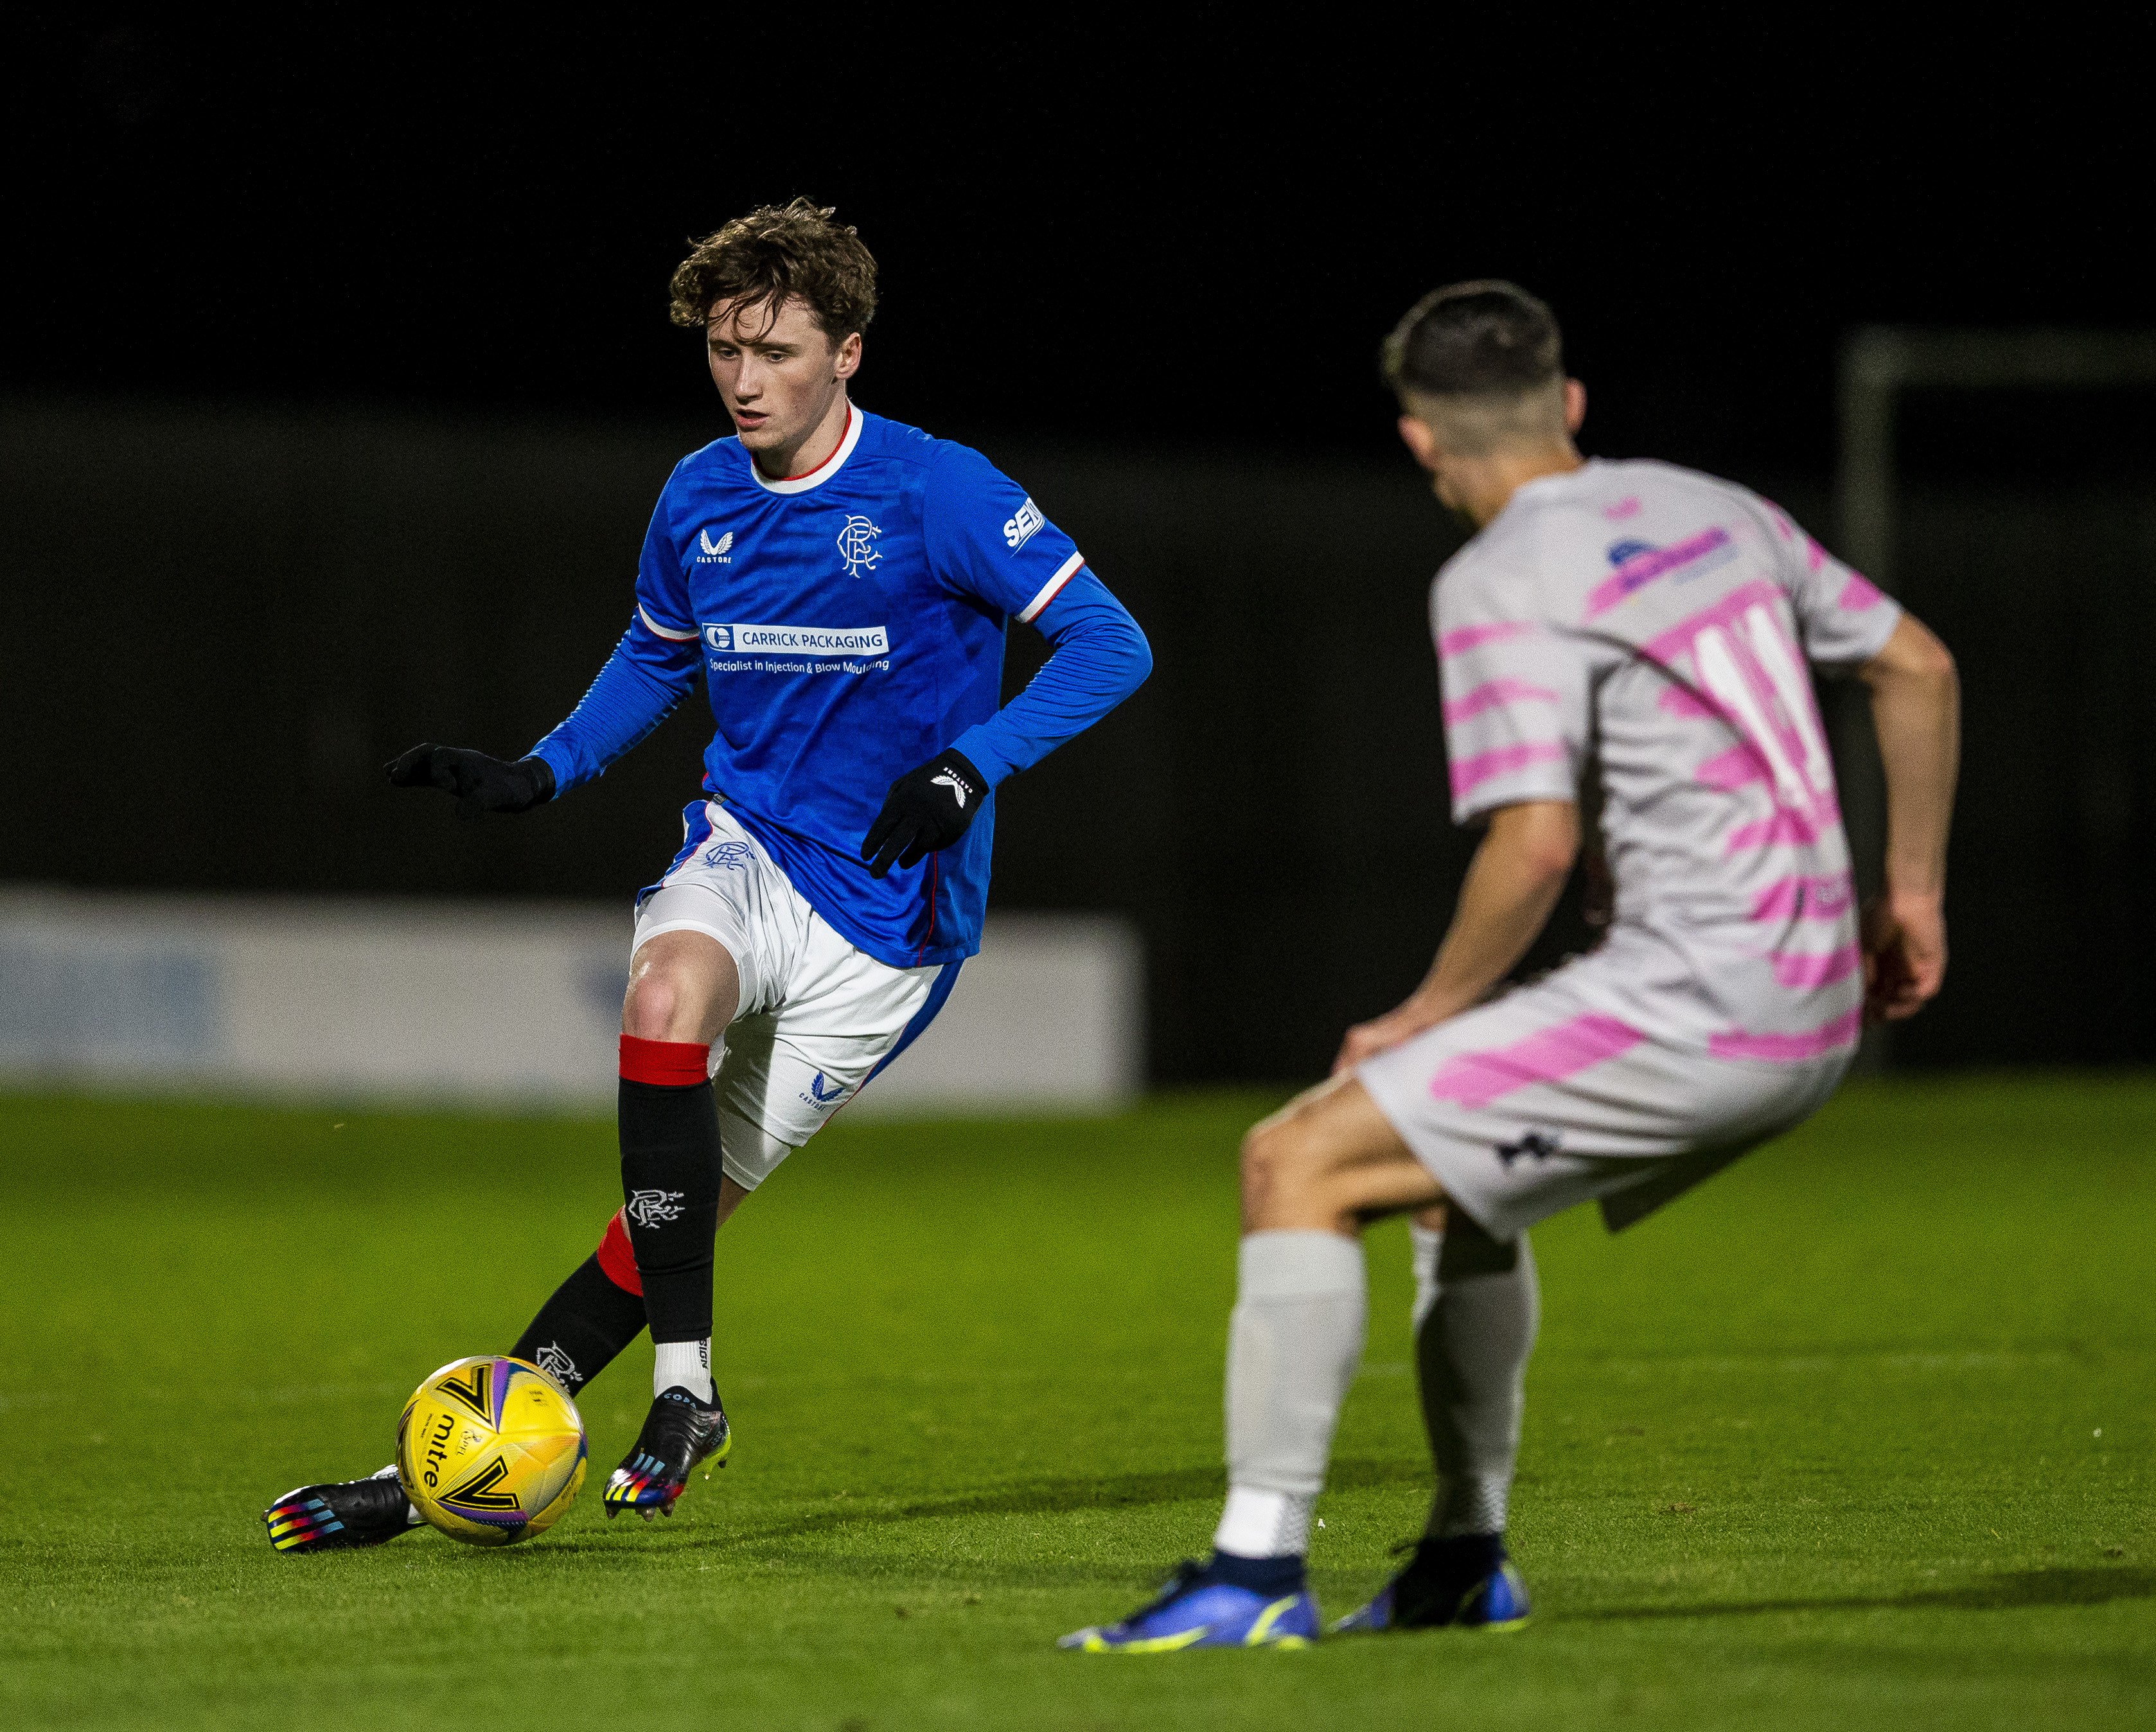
{"points": [[671, 1064], [617, 1258]]}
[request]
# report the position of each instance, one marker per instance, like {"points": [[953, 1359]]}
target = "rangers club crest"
{"points": [[558, 1364], [653, 1208], [857, 545]]}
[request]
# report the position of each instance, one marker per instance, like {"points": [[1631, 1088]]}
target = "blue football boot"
{"points": [[1468, 1583], [1194, 1610]]}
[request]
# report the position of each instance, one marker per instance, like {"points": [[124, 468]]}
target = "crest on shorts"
{"points": [[1541, 1145], [819, 1094]]}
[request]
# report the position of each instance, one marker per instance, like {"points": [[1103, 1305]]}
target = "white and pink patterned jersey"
{"points": [[1635, 636]]}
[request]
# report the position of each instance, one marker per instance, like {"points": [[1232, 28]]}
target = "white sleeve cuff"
{"points": [[665, 631], [1049, 590]]}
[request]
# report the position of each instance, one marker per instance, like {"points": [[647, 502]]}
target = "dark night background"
{"points": [[338, 385]]}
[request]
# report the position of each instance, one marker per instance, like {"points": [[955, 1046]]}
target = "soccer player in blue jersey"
{"points": [[840, 585]]}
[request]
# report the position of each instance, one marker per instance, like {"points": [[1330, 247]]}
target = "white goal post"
{"points": [[1880, 362]]}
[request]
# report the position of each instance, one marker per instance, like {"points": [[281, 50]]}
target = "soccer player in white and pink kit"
{"points": [[1624, 650]]}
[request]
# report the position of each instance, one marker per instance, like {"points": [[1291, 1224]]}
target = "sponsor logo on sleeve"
{"points": [[1022, 527], [857, 546]]}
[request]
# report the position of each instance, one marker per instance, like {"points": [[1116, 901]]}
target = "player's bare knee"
{"points": [[652, 1007], [1283, 1164]]}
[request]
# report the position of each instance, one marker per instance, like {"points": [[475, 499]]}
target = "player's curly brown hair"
{"points": [[776, 253]]}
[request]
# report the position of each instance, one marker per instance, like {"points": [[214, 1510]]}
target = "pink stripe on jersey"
{"points": [[1788, 1049], [1786, 827], [1857, 594], [1467, 637], [1474, 1079], [1473, 772], [1491, 693], [1804, 897], [1733, 769], [1817, 970], [1683, 701], [1642, 569], [1677, 639]]}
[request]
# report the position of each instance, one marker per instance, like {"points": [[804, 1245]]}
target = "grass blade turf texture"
{"points": [[1858, 1435]]}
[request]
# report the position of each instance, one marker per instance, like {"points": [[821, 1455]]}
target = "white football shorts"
{"points": [[1525, 1105], [818, 1017]]}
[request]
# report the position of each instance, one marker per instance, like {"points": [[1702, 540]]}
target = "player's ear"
{"points": [[847, 361], [1420, 441], [1575, 405]]}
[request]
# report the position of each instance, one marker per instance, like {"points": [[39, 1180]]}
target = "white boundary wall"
{"points": [[489, 1006]]}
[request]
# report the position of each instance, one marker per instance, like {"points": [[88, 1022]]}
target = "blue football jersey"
{"points": [[849, 624]]}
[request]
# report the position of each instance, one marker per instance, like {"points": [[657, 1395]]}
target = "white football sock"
{"points": [[1477, 1310], [683, 1365], [1294, 1338], [1264, 1524]]}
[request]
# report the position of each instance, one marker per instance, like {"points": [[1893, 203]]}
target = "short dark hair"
{"points": [[777, 252], [1480, 339]]}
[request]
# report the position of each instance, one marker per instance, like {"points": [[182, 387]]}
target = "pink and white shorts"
{"points": [[1537, 1101]]}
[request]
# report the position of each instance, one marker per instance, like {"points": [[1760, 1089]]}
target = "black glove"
{"points": [[481, 784], [925, 811]]}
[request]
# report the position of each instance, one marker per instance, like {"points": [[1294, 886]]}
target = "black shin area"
{"points": [[1464, 1558], [1467, 1250], [578, 1331], [669, 1187]]}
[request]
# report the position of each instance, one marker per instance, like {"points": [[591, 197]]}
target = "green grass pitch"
{"points": [[1858, 1435]]}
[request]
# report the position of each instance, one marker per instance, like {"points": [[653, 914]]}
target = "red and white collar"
{"points": [[822, 471]]}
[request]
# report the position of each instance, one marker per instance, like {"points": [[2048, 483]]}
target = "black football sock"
{"points": [[670, 1181], [1272, 1577], [588, 1321]]}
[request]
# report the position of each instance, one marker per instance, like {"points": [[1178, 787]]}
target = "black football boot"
{"points": [[679, 1432], [342, 1514]]}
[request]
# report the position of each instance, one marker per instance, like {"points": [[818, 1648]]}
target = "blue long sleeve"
{"points": [[631, 696], [1100, 658]]}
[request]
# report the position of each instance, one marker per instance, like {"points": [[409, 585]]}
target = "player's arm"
{"points": [[987, 540], [630, 697], [1098, 657], [1513, 882], [1916, 710], [653, 665]]}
